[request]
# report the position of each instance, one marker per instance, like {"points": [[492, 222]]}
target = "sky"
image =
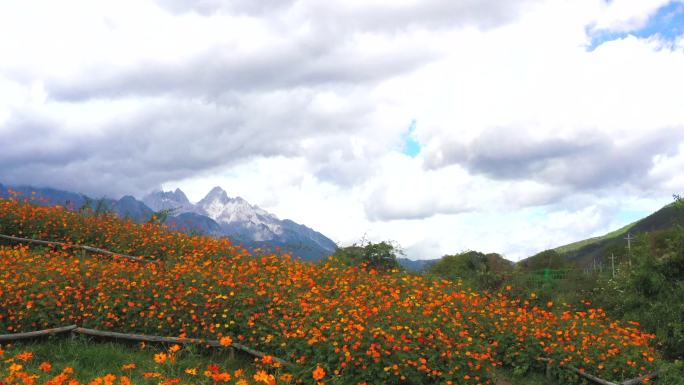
{"points": [[442, 125]]}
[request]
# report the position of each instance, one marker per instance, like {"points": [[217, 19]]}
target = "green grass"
{"points": [[579, 244], [507, 377], [95, 358]]}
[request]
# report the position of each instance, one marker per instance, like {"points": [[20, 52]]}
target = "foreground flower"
{"points": [[261, 376], [25, 356], [226, 341], [160, 358], [318, 373]]}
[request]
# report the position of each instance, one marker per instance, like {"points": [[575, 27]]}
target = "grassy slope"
{"points": [[91, 358], [582, 252], [585, 242]]}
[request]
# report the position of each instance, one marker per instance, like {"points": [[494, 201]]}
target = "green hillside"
{"points": [[583, 252]]}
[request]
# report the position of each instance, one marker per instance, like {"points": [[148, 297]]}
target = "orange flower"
{"points": [[223, 376], [160, 358], [318, 373], [261, 376], [25, 356], [226, 341], [45, 367], [128, 366]]}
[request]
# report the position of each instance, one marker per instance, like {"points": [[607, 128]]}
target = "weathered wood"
{"points": [[37, 333], [588, 376], [87, 248], [639, 380], [634, 381], [582, 373], [174, 340], [146, 338], [547, 370]]}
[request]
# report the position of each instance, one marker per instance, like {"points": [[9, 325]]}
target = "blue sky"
{"points": [[411, 145], [667, 24]]}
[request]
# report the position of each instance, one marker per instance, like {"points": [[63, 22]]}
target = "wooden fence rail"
{"points": [[596, 379], [38, 333], [87, 248], [136, 337]]}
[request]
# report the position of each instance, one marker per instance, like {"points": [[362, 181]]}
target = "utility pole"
{"points": [[629, 248], [612, 259]]}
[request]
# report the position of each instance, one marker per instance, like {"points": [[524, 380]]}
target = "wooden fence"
{"points": [[591, 377], [83, 247], [136, 337]]}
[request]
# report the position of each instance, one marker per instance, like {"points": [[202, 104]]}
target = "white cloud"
{"points": [[626, 15], [528, 138]]}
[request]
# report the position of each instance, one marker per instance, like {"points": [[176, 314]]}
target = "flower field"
{"points": [[336, 324], [79, 361]]}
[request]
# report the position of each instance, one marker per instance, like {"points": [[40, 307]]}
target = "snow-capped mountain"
{"points": [[247, 224], [216, 214], [168, 200], [239, 218]]}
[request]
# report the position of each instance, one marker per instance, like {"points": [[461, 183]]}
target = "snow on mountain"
{"points": [[239, 218], [246, 223], [169, 200], [216, 214]]}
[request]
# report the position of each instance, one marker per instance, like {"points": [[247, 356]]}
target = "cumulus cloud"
{"points": [[402, 190], [302, 107], [589, 161]]}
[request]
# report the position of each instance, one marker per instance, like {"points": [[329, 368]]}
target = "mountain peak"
{"points": [[180, 196], [216, 192], [167, 200]]}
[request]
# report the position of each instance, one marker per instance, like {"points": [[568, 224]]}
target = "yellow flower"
{"points": [[191, 371]]}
